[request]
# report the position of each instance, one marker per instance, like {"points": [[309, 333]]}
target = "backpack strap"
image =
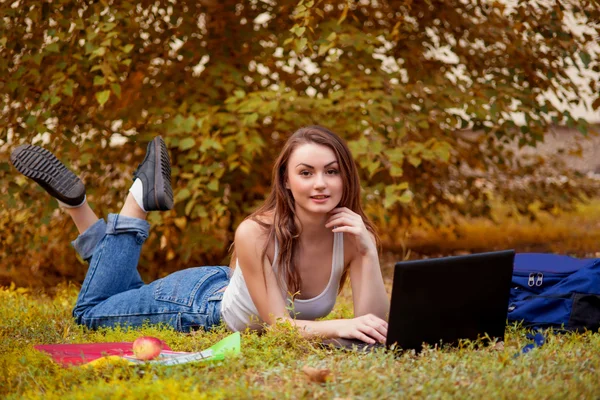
{"points": [[538, 341]]}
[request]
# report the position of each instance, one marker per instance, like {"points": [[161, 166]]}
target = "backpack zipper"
{"points": [[535, 279], [531, 280]]}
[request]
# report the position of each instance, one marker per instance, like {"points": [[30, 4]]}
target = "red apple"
{"points": [[147, 347]]}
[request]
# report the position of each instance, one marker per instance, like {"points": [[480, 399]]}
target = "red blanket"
{"points": [[74, 354]]}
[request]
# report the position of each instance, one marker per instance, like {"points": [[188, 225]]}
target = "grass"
{"points": [[271, 365]]}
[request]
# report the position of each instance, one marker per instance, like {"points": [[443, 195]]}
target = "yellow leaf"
{"points": [[180, 222]]}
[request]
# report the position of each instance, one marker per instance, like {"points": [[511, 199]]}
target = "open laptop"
{"points": [[444, 300]]}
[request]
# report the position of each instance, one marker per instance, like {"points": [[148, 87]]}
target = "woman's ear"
{"points": [[287, 184]]}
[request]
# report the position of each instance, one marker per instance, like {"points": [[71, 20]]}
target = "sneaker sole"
{"points": [[163, 191], [44, 168]]}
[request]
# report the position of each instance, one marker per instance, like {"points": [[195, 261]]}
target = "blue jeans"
{"points": [[113, 292]]}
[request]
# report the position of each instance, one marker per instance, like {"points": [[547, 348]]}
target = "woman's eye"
{"points": [[305, 173], [332, 171]]}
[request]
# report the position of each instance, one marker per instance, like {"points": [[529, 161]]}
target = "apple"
{"points": [[147, 347]]}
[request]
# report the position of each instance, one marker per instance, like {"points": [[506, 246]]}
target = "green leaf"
{"points": [[99, 52], [99, 80], [200, 211], [298, 31], [187, 143], [213, 185], [127, 48], [395, 155], [390, 196], [324, 48], [415, 161], [37, 58], [442, 151], [116, 88], [68, 87], [102, 96], [250, 119], [396, 171], [109, 26], [53, 48], [301, 45], [54, 100], [372, 167], [406, 197], [31, 121], [585, 58], [188, 124], [210, 143], [182, 195]]}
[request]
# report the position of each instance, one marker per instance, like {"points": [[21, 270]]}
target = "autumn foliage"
{"points": [[434, 98]]}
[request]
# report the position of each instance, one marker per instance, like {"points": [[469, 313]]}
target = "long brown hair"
{"points": [[280, 202]]}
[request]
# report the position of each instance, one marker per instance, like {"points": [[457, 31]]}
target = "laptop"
{"points": [[443, 300]]}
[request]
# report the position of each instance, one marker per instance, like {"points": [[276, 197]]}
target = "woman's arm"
{"points": [[368, 292], [261, 281]]}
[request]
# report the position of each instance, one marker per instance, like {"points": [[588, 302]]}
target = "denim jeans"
{"points": [[113, 292]]}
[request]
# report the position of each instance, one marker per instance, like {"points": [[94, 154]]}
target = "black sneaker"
{"points": [[155, 174], [43, 167]]}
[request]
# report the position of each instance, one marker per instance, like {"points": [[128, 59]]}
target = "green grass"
{"points": [[270, 365]]}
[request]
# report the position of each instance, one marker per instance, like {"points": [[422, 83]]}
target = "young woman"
{"points": [[291, 256]]}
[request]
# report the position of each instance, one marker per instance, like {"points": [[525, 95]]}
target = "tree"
{"points": [[225, 82]]}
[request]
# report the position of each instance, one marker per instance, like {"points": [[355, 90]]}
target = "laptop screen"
{"points": [[443, 300]]}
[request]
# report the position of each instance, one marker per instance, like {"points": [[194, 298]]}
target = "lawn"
{"points": [[272, 365]]}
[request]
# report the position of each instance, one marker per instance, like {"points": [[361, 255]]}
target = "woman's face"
{"points": [[313, 177]]}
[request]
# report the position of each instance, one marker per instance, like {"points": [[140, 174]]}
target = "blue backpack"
{"points": [[554, 291]]}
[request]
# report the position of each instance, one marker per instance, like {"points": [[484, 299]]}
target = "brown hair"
{"points": [[280, 202]]}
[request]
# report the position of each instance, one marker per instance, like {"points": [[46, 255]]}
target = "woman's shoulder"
{"points": [[251, 236], [249, 228], [255, 225]]}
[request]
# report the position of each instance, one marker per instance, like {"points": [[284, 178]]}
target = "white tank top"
{"points": [[238, 311]]}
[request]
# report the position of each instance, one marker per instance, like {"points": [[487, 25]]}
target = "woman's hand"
{"points": [[368, 328], [343, 219]]}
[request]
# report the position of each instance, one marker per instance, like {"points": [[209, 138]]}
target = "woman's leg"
{"points": [[132, 209], [185, 300], [115, 256], [114, 261], [112, 293], [83, 216]]}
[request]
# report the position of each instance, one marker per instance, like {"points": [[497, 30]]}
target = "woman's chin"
{"points": [[318, 209]]}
